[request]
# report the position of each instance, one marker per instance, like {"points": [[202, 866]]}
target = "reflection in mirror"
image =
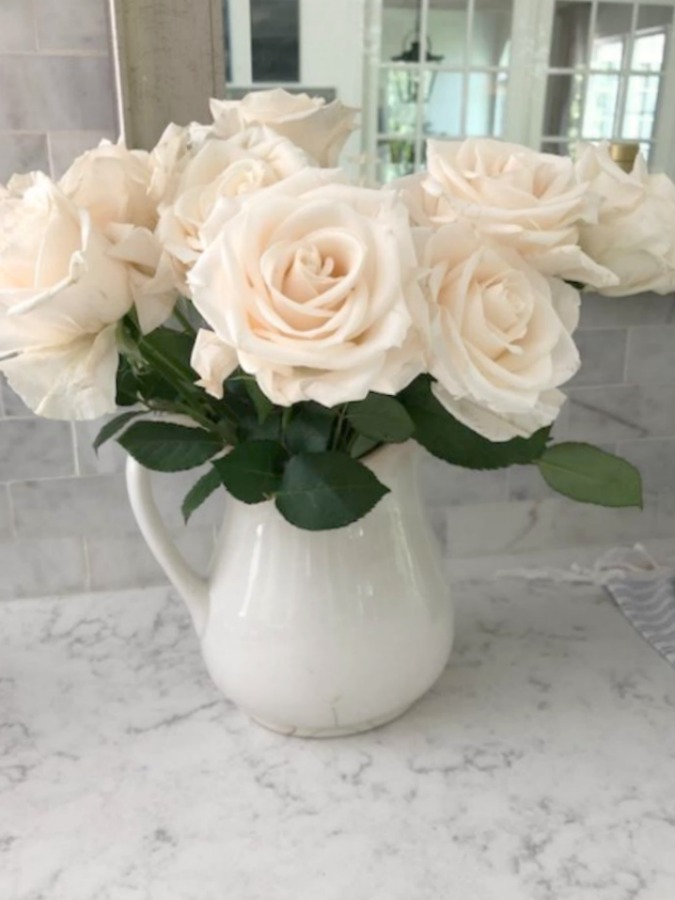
{"points": [[606, 74], [443, 72]]}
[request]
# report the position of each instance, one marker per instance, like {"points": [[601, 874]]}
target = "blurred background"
{"points": [[538, 72]]}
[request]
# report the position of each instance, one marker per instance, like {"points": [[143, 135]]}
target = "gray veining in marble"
{"points": [[540, 767], [603, 356]]}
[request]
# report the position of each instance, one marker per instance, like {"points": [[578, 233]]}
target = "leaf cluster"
{"points": [[308, 459]]}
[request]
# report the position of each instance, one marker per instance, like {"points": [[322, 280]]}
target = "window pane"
{"points": [[569, 41], [641, 99], [275, 40], [564, 97], [490, 38], [612, 32], [447, 25], [648, 51], [399, 89], [395, 159], [559, 148], [443, 110], [600, 109], [400, 26], [654, 17], [482, 104]]}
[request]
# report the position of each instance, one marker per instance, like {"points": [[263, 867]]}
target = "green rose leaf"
{"points": [[166, 447], [263, 404], [327, 490], [200, 492], [590, 475], [381, 418], [114, 426], [310, 428], [443, 436], [252, 472]]}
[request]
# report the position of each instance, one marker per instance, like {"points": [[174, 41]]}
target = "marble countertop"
{"points": [[541, 766]]}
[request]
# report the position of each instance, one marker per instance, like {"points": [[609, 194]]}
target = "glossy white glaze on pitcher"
{"points": [[324, 633]]}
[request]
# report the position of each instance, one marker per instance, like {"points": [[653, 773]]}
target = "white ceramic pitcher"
{"points": [[317, 634]]}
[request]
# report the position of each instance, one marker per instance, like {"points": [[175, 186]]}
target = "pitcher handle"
{"points": [[193, 589]]}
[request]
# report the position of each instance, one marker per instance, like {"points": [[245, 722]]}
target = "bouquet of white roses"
{"points": [[253, 309]]}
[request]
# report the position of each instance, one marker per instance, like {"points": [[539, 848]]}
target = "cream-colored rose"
{"points": [[61, 296], [213, 361], [314, 285], [635, 234], [217, 178], [113, 184], [317, 127], [529, 201], [502, 340]]}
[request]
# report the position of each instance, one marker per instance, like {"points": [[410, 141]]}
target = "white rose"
{"points": [[501, 340], [314, 285], [529, 201], [220, 174], [213, 360], [317, 127], [113, 184], [61, 295], [635, 234]]}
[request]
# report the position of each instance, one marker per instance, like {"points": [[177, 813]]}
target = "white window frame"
{"points": [[528, 70]]}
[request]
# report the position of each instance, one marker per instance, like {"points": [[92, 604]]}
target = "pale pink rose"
{"points": [[531, 202], [314, 284], [213, 361], [319, 128], [502, 334], [635, 234], [216, 178], [61, 297], [113, 184]]}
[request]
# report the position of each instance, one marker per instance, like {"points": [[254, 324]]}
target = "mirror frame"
{"points": [[164, 70]]}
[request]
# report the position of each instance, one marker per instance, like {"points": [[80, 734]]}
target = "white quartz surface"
{"points": [[541, 766]]}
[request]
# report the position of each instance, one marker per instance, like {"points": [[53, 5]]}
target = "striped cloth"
{"points": [[643, 590], [647, 600]]}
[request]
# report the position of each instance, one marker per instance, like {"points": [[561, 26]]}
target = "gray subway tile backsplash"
{"points": [[54, 565], [623, 413], [71, 507], [651, 355], [17, 26], [72, 24], [33, 88], [623, 312], [22, 153], [603, 356], [65, 146], [35, 448]]}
